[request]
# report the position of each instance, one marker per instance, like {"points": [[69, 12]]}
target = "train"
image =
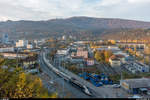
{"points": [[66, 77]]}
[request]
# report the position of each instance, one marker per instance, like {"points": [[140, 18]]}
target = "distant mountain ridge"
{"points": [[73, 25]]}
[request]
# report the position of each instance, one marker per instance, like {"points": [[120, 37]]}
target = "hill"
{"points": [[133, 34], [79, 26]]}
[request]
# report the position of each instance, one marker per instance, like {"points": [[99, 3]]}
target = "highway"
{"points": [[67, 86]]}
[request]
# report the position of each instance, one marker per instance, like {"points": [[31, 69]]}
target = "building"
{"points": [[12, 55], [73, 54], [29, 46], [64, 37], [89, 61], [77, 60], [121, 53], [22, 43], [29, 61], [136, 86], [5, 38], [141, 67], [7, 49], [117, 60], [114, 62], [111, 48], [135, 67], [62, 52], [139, 53], [82, 53]]}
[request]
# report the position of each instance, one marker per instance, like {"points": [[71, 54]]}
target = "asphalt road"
{"points": [[67, 86], [99, 92]]}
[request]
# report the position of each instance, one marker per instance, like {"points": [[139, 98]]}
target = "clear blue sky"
{"points": [[48, 9]]}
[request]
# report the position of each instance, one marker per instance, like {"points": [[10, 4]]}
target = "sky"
{"points": [[51, 9]]}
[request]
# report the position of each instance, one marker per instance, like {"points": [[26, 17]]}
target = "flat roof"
{"points": [[138, 83]]}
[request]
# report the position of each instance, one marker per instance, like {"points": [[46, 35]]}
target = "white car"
{"points": [[116, 86], [136, 96], [148, 92], [51, 82]]}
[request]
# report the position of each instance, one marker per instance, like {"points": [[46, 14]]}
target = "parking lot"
{"points": [[117, 92]]}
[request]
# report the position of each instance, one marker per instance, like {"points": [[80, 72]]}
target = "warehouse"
{"points": [[136, 86]]}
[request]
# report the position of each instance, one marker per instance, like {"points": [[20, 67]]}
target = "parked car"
{"points": [[116, 86], [148, 92], [51, 82]]}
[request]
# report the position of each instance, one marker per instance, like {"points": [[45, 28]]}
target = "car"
{"points": [[135, 96], [116, 86], [148, 92], [51, 82]]}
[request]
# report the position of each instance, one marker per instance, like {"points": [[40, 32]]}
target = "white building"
{"points": [[64, 37], [8, 49], [14, 55], [137, 67], [29, 46], [141, 67], [63, 52], [113, 48], [116, 60], [22, 43]]}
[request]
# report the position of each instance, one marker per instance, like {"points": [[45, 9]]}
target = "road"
{"points": [[100, 92], [75, 93]]}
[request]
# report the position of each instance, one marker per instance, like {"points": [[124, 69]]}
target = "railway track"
{"points": [[109, 69], [106, 69]]}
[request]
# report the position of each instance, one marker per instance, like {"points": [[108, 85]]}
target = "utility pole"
{"points": [[17, 57]]}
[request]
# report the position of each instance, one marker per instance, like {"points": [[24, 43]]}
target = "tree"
{"points": [[17, 84], [99, 56], [107, 55], [147, 60], [103, 56]]}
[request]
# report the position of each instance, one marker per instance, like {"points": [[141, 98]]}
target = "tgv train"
{"points": [[72, 80]]}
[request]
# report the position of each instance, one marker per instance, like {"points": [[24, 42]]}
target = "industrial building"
{"points": [[136, 86]]}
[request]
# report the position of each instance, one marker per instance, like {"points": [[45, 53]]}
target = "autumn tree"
{"points": [[107, 55], [103, 56], [99, 56], [17, 84]]}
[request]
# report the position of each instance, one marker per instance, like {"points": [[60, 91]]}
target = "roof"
{"points": [[89, 59], [138, 83], [77, 57], [116, 57], [120, 56]]}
